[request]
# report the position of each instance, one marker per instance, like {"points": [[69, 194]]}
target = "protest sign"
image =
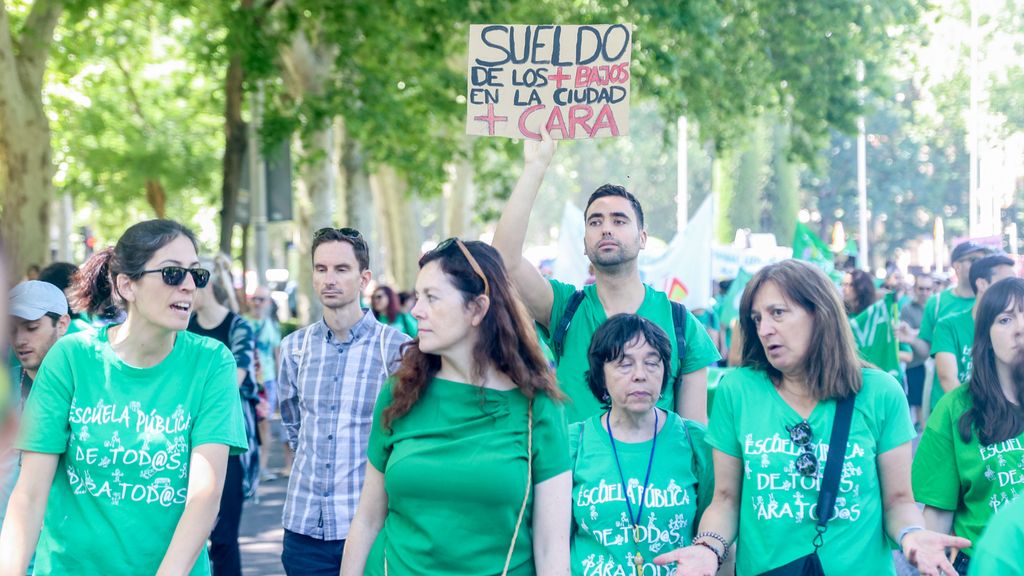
{"points": [[574, 80]]}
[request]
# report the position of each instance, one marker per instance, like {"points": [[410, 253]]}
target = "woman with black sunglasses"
{"points": [[127, 432], [970, 463], [468, 468], [771, 428]]}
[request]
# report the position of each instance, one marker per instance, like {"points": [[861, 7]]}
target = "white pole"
{"points": [[862, 181], [258, 183], [972, 129], [682, 175]]}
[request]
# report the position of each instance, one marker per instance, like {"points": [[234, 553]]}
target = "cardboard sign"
{"points": [[572, 79]]}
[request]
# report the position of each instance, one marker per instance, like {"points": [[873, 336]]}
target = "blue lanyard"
{"points": [[622, 479]]}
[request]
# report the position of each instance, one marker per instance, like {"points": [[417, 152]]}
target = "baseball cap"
{"points": [[32, 299], [968, 247]]}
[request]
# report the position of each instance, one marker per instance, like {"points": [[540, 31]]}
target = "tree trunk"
{"points": [[26, 167], [306, 66], [460, 197], [157, 197], [722, 187], [402, 239], [235, 144], [784, 206], [745, 211], [358, 208]]}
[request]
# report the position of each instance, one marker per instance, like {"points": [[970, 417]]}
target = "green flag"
{"points": [[874, 332], [809, 248], [731, 299]]}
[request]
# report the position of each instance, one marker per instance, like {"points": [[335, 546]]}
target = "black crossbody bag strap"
{"points": [[558, 336], [834, 464]]}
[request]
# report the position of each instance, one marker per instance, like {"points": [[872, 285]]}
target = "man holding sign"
{"points": [[615, 235], [572, 80]]}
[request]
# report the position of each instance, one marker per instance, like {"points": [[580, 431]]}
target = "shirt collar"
{"points": [[361, 328]]}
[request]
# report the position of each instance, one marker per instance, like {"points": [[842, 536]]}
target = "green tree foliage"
{"points": [[136, 109], [912, 178]]}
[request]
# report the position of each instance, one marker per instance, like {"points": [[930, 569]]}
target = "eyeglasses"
{"points": [[175, 275], [469, 258], [802, 437]]}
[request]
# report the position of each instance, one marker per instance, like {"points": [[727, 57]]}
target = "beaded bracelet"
{"points": [[716, 536], [718, 556]]}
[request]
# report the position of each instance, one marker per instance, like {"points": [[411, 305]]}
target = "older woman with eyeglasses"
{"points": [[641, 475], [468, 467], [801, 385]]}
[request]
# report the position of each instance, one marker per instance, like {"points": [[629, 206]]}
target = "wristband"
{"points": [[905, 531], [718, 557], [715, 536]]}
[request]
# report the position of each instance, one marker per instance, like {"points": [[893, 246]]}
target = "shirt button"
{"points": [[328, 464], [333, 407], [330, 436], [325, 494]]}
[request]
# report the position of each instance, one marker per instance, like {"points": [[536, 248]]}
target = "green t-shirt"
{"points": [[954, 334], [973, 481], [948, 303], [78, 325], [573, 365], [125, 436], [777, 504], [1001, 543], [455, 475], [680, 488], [404, 323]]}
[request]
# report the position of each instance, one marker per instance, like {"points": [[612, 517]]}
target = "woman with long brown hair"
{"points": [[774, 420], [468, 467], [971, 450]]}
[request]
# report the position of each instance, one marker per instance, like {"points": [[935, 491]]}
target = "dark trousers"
{"points": [[307, 556], [224, 553]]}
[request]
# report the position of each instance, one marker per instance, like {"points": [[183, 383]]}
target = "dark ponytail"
{"points": [[92, 290], [95, 288]]}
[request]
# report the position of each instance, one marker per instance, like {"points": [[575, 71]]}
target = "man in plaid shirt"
{"points": [[329, 377]]}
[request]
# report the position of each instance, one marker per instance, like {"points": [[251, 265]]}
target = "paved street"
{"points": [[261, 532]]}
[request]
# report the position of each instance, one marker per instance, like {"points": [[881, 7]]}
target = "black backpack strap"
{"points": [[558, 337], [679, 323], [834, 464]]}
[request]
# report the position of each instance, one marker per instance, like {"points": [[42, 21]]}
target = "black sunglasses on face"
{"points": [[175, 275], [802, 437]]}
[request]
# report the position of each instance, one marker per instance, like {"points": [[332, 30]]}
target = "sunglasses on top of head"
{"points": [[175, 275]]}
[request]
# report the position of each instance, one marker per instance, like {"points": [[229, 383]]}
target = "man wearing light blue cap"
{"points": [[39, 315]]}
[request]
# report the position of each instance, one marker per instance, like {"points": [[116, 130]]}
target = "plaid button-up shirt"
{"points": [[328, 389]]}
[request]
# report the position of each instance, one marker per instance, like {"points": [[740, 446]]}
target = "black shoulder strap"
{"points": [[558, 338], [679, 323], [834, 464]]}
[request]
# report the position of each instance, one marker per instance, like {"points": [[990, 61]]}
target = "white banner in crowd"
{"points": [[683, 270]]}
